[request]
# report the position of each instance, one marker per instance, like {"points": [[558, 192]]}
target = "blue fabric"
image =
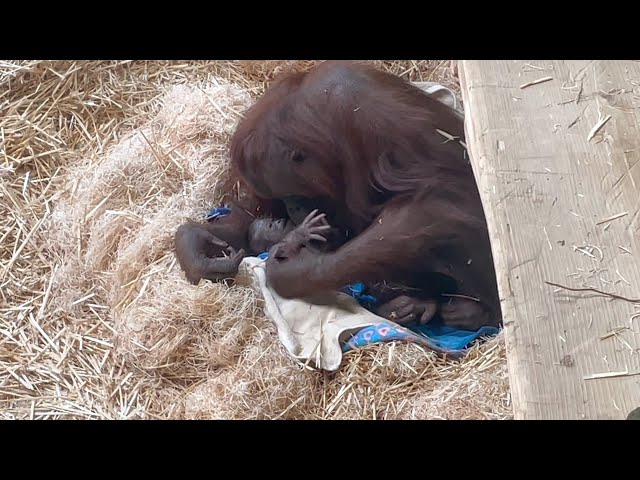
{"points": [[384, 332], [434, 334], [357, 291], [448, 338], [218, 212]]}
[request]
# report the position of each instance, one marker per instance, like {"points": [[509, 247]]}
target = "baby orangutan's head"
{"points": [[264, 233]]}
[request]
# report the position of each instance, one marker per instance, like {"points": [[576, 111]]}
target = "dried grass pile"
{"points": [[100, 162]]}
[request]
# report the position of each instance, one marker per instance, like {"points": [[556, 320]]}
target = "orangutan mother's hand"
{"points": [[298, 275]]}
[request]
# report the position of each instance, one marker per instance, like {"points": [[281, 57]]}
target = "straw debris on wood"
{"points": [[99, 163]]}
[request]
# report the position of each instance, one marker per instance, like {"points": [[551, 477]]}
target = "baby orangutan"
{"points": [[283, 241], [220, 261]]}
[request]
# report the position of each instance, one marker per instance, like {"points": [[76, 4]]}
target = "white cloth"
{"points": [[441, 93], [311, 329]]}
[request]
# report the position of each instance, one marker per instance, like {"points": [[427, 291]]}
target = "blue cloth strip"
{"points": [[217, 213]]}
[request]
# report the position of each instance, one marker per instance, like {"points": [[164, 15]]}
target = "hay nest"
{"points": [[99, 163]]}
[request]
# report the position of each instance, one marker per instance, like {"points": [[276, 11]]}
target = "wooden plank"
{"points": [[563, 209]]}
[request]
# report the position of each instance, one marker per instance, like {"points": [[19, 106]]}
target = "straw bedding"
{"points": [[99, 163]]}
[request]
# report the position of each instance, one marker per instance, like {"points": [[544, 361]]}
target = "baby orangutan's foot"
{"points": [[312, 228]]}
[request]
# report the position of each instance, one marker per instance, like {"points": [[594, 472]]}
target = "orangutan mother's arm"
{"points": [[395, 239]]}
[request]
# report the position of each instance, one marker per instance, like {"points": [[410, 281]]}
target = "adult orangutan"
{"points": [[363, 147]]}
